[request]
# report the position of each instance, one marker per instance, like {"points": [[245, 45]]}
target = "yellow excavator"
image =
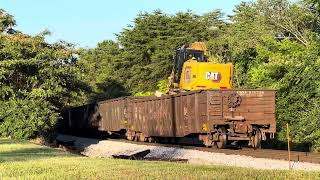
{"points": [[192, 71]]}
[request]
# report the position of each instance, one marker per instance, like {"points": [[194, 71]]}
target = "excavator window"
{"points": [[184, 54]]}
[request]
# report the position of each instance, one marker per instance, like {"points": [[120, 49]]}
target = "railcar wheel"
{"points": [[207, 141], [142, 137], [130, 135], [150, 139], [257, 138], [222, 138]]}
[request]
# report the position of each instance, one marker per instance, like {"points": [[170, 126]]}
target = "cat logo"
{"points": [[213, 76]]}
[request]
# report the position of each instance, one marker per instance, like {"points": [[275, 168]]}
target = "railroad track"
{"points": [[296, 156]]}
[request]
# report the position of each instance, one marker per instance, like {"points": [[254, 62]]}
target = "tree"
{"points": [[101, 66], [314, 5], [37, 80], [6, 21], [150, 45]]}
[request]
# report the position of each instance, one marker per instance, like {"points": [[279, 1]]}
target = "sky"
{"points": [[87, 22]]}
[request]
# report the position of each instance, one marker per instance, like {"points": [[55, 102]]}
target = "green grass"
{"points": [[23, 160]]}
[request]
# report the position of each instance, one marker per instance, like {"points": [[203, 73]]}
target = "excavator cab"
{"points": [[192, 71], [183, 55]]}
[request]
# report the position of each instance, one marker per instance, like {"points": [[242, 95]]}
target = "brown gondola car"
{"points": [[81, 120], [217, 117], [114, 114]]}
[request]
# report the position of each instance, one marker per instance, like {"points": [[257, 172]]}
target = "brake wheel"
{"points": [[234, 100]]}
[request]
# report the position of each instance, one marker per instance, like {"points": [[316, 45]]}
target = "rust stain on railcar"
{"points": [[199, 111], [114, 114], [151, 115], [196, 112], [256, 107]]}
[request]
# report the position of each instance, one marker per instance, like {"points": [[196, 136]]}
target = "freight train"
{"points": [[216, 117]]}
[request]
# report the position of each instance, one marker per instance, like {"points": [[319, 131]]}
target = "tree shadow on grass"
{"points": [[27, 154], [12, 141]]}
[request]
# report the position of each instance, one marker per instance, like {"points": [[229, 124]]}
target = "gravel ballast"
{"points": [[109, 149]]}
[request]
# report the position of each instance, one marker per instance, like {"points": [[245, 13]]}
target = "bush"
{"points": [[25, 118]]}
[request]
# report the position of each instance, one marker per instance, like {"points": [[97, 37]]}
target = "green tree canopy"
{"points": [[37, 80], [6, 21]]}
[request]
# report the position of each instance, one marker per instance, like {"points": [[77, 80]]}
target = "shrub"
{"points": [[25, 118]]}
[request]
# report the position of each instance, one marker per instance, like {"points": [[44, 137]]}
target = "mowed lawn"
{"points": [[24, 160]]}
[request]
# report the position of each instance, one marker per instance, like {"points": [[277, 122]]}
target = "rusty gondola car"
{"points": [[81, 120], [216, 117]]}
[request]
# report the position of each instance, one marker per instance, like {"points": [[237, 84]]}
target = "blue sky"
{"points": [[85, 22]]}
